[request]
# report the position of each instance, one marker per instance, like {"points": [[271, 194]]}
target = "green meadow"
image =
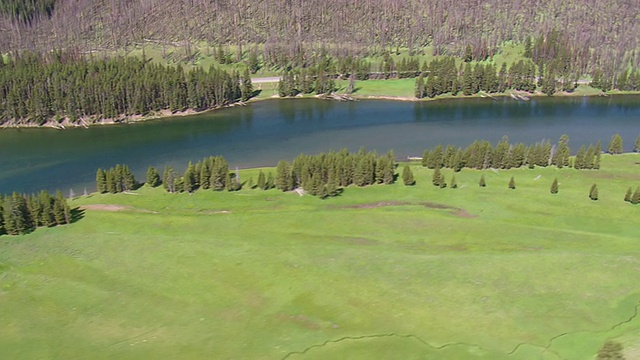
{"points": [[384, 272]]}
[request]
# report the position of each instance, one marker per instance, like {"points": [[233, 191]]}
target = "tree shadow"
{"points": [[76, 214]]}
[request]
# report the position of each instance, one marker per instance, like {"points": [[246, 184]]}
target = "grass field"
{"points": [[389, 272]]}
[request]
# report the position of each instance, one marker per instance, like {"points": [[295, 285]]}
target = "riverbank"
{"points": [[393, 89]]}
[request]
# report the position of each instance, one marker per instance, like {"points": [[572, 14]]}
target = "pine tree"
{"points": [[61, 210], [407, 176], [153, 177], [262, 181], [270, 182], [628, 196], [512, 183], [189, 178], [169, 179], [482, 183], [593, 193], [635, 198], [419, 91], [636, 146], [554, 186], [101, 181], [205, 175], [247, 86], [615, 146], [598, 151], [454, 183], [283, 176], [436, 178], [128, 180], [16, 217]]}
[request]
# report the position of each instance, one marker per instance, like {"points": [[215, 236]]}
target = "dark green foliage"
{"points": [[635, 198], [628, 196], [636, 146], [454, 183], [554, 186], [101, 181], [270, 181], [219, 172], [189, 178], [116, 179], [16, 217], [615, 146], [407, 176], [512, 183], [437, 179], [247, 87], [262, 181], [169, 179], [562, 153], [611, 350], [593, 193], [20, 214], [420, 90], [482, 182], [61, 210], [38, 88], [153, 177], [284, 180]]}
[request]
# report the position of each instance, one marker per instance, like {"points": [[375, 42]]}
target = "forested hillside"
{"points": [[596, 33]]}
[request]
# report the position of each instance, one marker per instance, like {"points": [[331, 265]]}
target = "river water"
{"points": [[262, 133]]}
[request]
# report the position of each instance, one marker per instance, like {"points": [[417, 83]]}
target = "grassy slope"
{"points": [[260, 274]]}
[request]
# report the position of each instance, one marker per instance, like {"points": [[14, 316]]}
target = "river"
{"points": [[264, 132]]}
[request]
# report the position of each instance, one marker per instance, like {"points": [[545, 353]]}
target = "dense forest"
{"points": [[35, 88], [595, 33]]}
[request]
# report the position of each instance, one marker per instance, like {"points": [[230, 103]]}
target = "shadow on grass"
{"points": [[76, 214]]}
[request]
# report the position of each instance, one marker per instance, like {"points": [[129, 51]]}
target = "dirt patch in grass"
{"points": [[377, 205], [115, 207], [459, 212]]}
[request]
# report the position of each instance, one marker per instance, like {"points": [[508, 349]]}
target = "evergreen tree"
{"points": [[262, 181], [454, 183], [284, 181], [554, 186], [247, 86], [270, 182], [61, 210], [128, 180], [153, 177], [16, 217], [101, 181], [593, 193], [482, 183], [407, 176], [512, 183], [598, 151], [169, 179], [636, 146], [420, 91], [635, 198], [189, 178], [437, 177], [615, 146], [205, 175], [628, 196]]}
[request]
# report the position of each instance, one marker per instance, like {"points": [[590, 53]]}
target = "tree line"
{"points": [[36, 88], [22, 213], [321, 175]]}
